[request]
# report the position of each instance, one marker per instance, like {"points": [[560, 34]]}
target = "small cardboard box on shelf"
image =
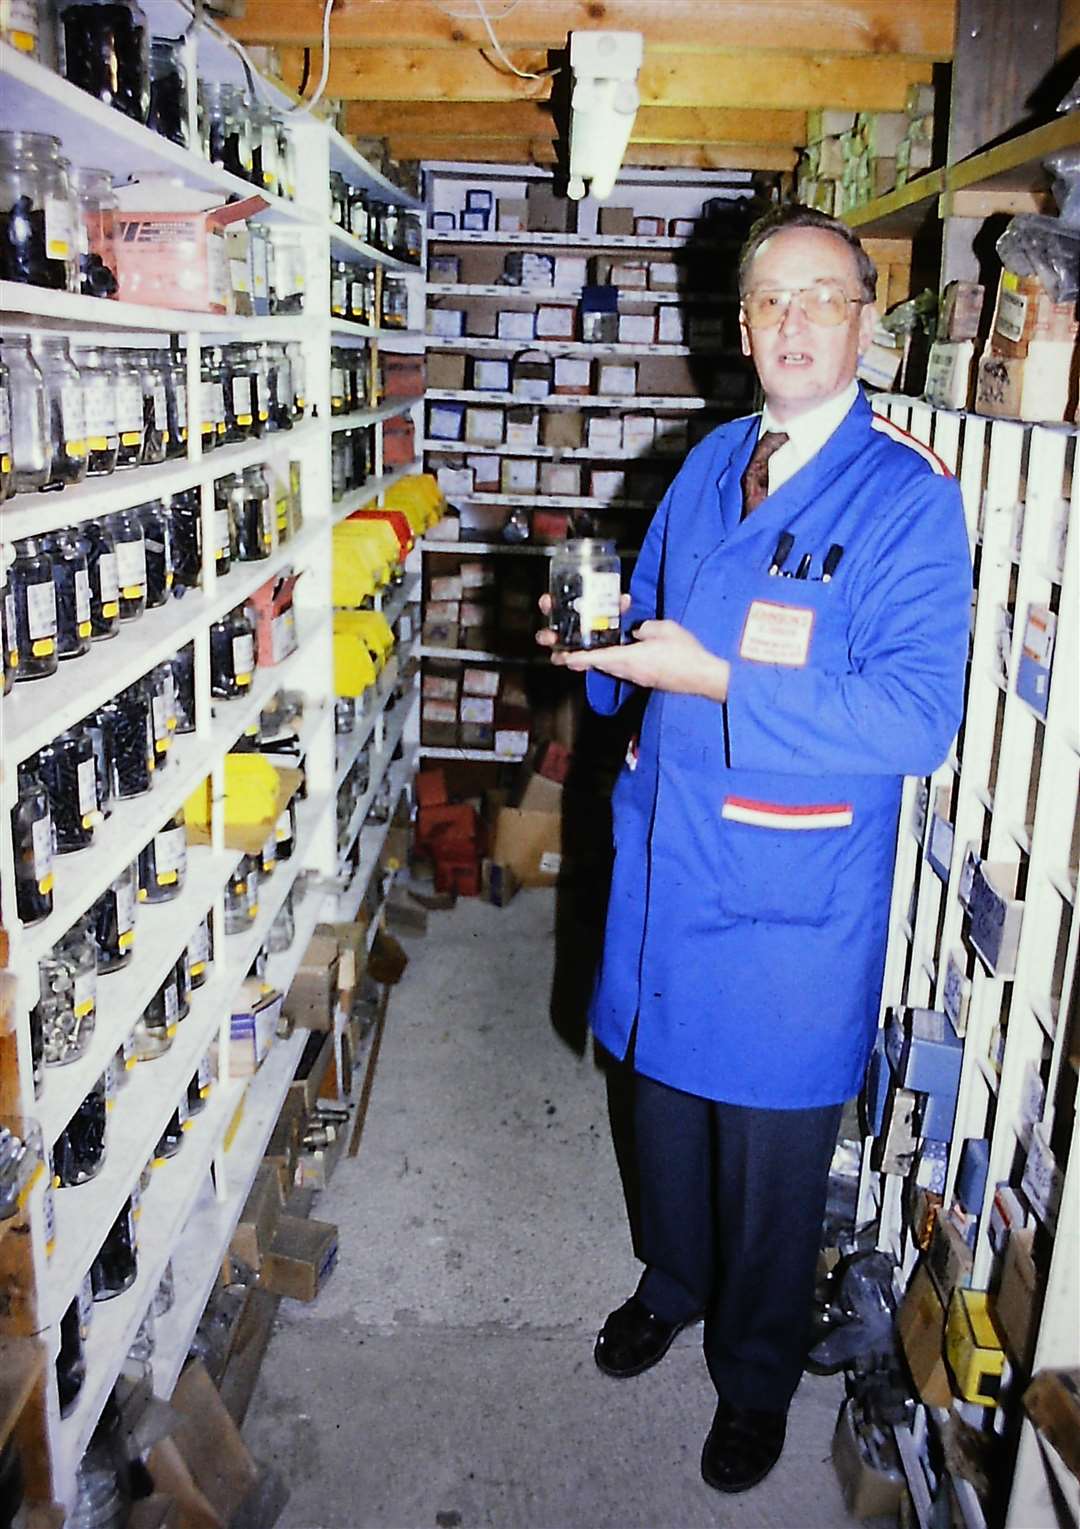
{"points": [[312, 997], [446, 370]]}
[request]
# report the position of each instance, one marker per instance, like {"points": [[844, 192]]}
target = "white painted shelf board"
{"points": [[485, 346], [635, 295], [347, 246], [548, 453], [35, 99], [554, 501], [34, 514], [161, 933], [72, 311], [349, 329], [476, 656], [573, 241], [638, 402], [504, 549], [360, 498], [380, 763], [357, 741], [371, 416], [487, 755], [347, 161], [393, 602]]}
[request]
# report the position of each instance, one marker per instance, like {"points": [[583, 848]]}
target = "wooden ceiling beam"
{"points": [[541, 151], [532, 119], [916, 27], [762, 80]]}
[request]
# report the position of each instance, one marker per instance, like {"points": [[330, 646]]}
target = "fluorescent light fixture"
{"points": [[603, 104]]}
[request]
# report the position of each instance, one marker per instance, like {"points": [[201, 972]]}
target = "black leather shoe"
{"points": [[742, 1447], [633, 1340]]}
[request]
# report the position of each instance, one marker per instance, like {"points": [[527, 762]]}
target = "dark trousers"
{"points": [[732, 1202]]}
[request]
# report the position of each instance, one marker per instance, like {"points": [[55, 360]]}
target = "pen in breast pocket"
{"points": [[803, 569], [783, 551], [832, 562]]}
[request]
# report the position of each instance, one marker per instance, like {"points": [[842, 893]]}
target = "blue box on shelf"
{"points": [[971, 1173], [1036, 656], [475, 222], [936, 1116], [446, 420], [876, 1087], [479, 199], [924, 1051]]}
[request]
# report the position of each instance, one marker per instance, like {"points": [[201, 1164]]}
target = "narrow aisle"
{"points": [[444, 1378]]}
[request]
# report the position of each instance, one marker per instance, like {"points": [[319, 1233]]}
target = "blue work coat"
{"points": [[754, 840]]}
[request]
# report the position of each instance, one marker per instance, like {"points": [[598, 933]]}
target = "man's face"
{"points": [[800, 363]]}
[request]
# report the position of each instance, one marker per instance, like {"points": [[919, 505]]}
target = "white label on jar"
{"points": [[82, 596], [59, 244], [131, 565], [100, 415], [337, 295], [243, 652], [21, 24], [41, 846], [48, 1214], [9, 620], [73, 412], [199, 947], [159, 707], [172, 1003], [283, 635], [125, 912], [5, 423], [337, 382], [86, 1306], [217, 402], [283, 831], [221, 530], [86, 784], [41, 610], [85, 995], [110, 1086], [598, 603], [110, 583], [161, 414], [206, 1075], [181, 405], [356, 296], [129, 405], [170, 854], [241, 399]]}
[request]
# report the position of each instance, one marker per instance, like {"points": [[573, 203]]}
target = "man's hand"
{"points": [[662, 655]]}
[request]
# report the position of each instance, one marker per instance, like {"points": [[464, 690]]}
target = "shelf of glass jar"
{"points": [[97, 1182], [94, 132], [353, 808], [358, 498], [597, 349], [82, 596], [634, 296], [575, 400], [110, 426], [368, 843], [550, 453], [74, 311]]}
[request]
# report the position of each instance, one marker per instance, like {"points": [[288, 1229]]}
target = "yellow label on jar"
{"points": [[170, 1031], [97, 443], [26, 42], [83, 1009], [5, 463], [83, 629], [197, 968], [45, 885], [130, 437], [243, 679], [13, 658], [132, 591], [167, 878], [110, 608], [127, 939], [42, 647], [253, 911]]}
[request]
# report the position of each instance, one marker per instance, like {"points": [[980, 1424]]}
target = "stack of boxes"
{"points": [[852, 157], [449, 834], [467, 706]]}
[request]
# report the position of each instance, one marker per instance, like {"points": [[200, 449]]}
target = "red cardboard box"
{"points": [[399, 441], [271, 610], [430, 788], [553, 762], [454, 821], [170, 246], [403, 376]]}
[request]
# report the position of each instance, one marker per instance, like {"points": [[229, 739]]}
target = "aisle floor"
{"points": [[444, 1377]]}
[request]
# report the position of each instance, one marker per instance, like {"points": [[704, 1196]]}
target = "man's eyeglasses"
{"points": [[825, 303]]}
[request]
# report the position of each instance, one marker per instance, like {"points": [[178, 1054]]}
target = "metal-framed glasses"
{"points": [[825, 303]]}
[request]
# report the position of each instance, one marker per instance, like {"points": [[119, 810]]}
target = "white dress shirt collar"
{"points": [[807, 434]]}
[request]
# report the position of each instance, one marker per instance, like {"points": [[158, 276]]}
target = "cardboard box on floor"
{"points": [[301, 1257], [259, 1217], [204, 1465]]}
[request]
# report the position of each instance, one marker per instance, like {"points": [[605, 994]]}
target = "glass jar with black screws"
{"points": [[129, 722], [67, 769], [232, 655], [169, 90], [33, 594], [585, 588], [130, 545], [112, 922], [163, 862], [155, 406], [162, 687], [66, 409], [185, 517], [200, 951], [116, 1263], [79, 1150], [37, 213], [238, 386], [100, 549], [256, 526], [224, 127], [127, 384], [7, 461], [32, 845], [31, 451], [211, 401], [9, 642], [174, 366], [71, 1356], [105, 50], [101, 742], [157, 535], [99, 394], [183, 669], [71, 580], [228, 510], [96, 207]]}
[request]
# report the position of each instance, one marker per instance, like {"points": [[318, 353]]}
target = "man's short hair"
{"points": [[794, 215]]}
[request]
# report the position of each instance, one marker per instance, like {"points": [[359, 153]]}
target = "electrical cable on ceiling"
{"points": [[481, 9], [312, 101]]}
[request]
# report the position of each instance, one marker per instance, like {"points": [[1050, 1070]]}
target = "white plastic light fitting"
{"points": [[603, 104]]}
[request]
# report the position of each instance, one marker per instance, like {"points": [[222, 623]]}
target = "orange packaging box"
{"points": [[170, 245]]}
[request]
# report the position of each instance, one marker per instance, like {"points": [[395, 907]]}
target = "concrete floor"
{"points": [[444, 1377]]}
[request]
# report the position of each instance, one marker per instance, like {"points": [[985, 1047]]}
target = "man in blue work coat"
{"points": [[799, 617]]}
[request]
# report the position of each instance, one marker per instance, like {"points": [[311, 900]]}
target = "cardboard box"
{"points": [[512, 724], [633, 274], [1040, 386], [252, 1027], [548, 213], [896, 1147], [560, 478], [949, 1261], [961, 311], [920, 1326], [445, 369], [443, 222], [477, 708], [445, 269], [522, 427], [314, 1063], [312, 998], [637, 328], [924, 1051], [869, 1488], [170, 245], [970, 1186], [446, 323], [615, 221], [446, 420], [480, 321], [483, 682], [616, 379], [498, 884], [528, 269], [996, 916], [973, 1348], [454, 482], [204, 1464], [649, 227], [530, 845], [662, 276], [671, 326], [518, 475], [570, 271], [1052, 1402], [484, 426], [1018, 1301], [513, 214], [550, 526], [259, 1217], [950, 372], [604, 434], [1024, 313], [667, 377], [1036, 657], [562, 429], [490, 374], [485, 471], [475, 220], [572, 374], [515, 324], [555, 321], [301, 1258], [1042, 1179], [608, 484], [532, 376], [1008, 1214]]}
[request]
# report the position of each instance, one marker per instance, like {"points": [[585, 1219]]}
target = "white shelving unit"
{"points": [[1009, 795], [187, 1212], [481, 290]]}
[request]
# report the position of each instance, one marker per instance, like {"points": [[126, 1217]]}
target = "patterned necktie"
{"points": [[755, 480]]}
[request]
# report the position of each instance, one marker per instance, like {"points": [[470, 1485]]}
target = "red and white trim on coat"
{"points": [[742, 809], [905, 438]]}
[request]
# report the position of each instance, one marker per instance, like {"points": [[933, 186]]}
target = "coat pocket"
{"points": [[780, 861]]}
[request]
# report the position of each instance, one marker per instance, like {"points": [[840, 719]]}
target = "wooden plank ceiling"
{"points": [[725, 84]]}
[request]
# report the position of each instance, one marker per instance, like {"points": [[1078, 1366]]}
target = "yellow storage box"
{"points": [[256, 794], [973, 1348], [354, 667], [373, 627]]}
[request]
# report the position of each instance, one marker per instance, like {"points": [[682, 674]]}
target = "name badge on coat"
{"points": [[777, 634]]}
